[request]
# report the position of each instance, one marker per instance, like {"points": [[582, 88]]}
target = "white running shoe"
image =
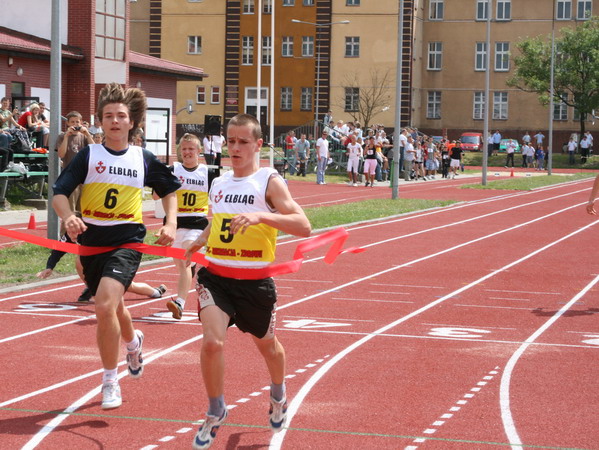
{"points": [[278, 414], [135, 361], [111, 395], [207, 432]]}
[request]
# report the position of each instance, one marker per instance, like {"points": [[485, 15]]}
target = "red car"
{"points": [[472, 142]]}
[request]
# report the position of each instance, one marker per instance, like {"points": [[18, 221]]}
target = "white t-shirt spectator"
{"points": [[215, 145], [354, 151], [322, 147]]}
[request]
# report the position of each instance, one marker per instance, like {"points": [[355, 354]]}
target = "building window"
{"points": [[194, 45], [504, 9], [500, 106], [435, 9], [352, 99], [266, 51], [247, 50], [560, 109], [564, 10], [308, 46], [308, 2], [287, 46], [480, 56], [584, 9], [248, 6], [267, 6], [478, 106], [435, 55], [215, 95], [576, 117], [482, 9], [352, 2], [433, 106], [201, 95], [286, 98], [502, 56], [110, 29], [288, 2], [352, 46], [306, 100]]}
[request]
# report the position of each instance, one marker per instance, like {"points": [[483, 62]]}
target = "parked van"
{"points": [[472, 142]]}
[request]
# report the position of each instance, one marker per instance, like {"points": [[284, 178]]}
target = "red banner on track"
{"points": [[335, 238]]}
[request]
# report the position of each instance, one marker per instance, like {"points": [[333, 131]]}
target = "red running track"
{"points": [[472, 326]]}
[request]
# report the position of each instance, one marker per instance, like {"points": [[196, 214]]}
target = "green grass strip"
{"points": [[529, 183]]}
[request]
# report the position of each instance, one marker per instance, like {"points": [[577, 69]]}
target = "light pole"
{"points": [[318, 25]]}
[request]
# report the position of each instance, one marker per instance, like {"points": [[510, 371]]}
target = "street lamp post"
{"points": [[317, 37]]}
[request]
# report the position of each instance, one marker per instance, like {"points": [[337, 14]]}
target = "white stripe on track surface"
{"points": [[504, 389]]}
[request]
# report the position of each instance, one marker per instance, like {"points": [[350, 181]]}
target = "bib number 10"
{"points": [[189, 199]]}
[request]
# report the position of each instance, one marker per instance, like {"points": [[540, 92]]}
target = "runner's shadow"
{"points": [[31, 424], [233, 442], [570, 313]]}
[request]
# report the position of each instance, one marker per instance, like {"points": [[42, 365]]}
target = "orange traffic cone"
{"points": [[31, 225], [512, 172]]}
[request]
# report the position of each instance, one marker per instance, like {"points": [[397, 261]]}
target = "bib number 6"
{"points": [[111, 198]]}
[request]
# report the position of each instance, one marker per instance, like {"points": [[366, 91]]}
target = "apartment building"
{"points": [[450, 92], [328, 54]]}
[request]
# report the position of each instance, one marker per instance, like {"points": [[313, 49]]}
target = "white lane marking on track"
{"points": [[523, 292], [439, 423], [277, 440], [48, 428], [504, 389]]}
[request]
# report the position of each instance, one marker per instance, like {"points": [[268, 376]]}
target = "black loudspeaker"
{"points": [[212, 125]]}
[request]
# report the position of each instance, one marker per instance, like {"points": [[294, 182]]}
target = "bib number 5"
{"points": [[225, 228]]}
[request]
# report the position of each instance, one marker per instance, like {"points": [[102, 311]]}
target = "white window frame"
{"points": [[435, 56], [435, 9], [307, 46], [560, 109], [504, 10], [563, 10], [266, 50], [500, 105], [306, 100], [288, 2], [247, 50], [480, 56], [201, 95], [215, 95], [583, 6], [352, 99], [248, 7], [287, 47], [352, 2], [433, 105], [286, 98], [194, 45], [352, 46], [110, 30], [267, 6], [478, 105], [308, 2], [502, 57], [482, 9]]}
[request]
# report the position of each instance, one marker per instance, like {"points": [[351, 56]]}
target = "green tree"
{"points": [[576, 68]]}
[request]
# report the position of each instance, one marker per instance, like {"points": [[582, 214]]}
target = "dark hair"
{"points": [[247, 120], [134, 99]]}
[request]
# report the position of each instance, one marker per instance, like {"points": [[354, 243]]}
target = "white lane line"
{"points": [[524, 292], [277, 440], [49, 427], [504, 389]]}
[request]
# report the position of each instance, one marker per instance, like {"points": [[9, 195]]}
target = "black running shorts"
{"points": [[120, 264], [251, 304]]}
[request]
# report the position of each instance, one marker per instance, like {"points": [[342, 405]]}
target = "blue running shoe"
{"points": [[278, 414], [207, 432], [135, 361]]}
